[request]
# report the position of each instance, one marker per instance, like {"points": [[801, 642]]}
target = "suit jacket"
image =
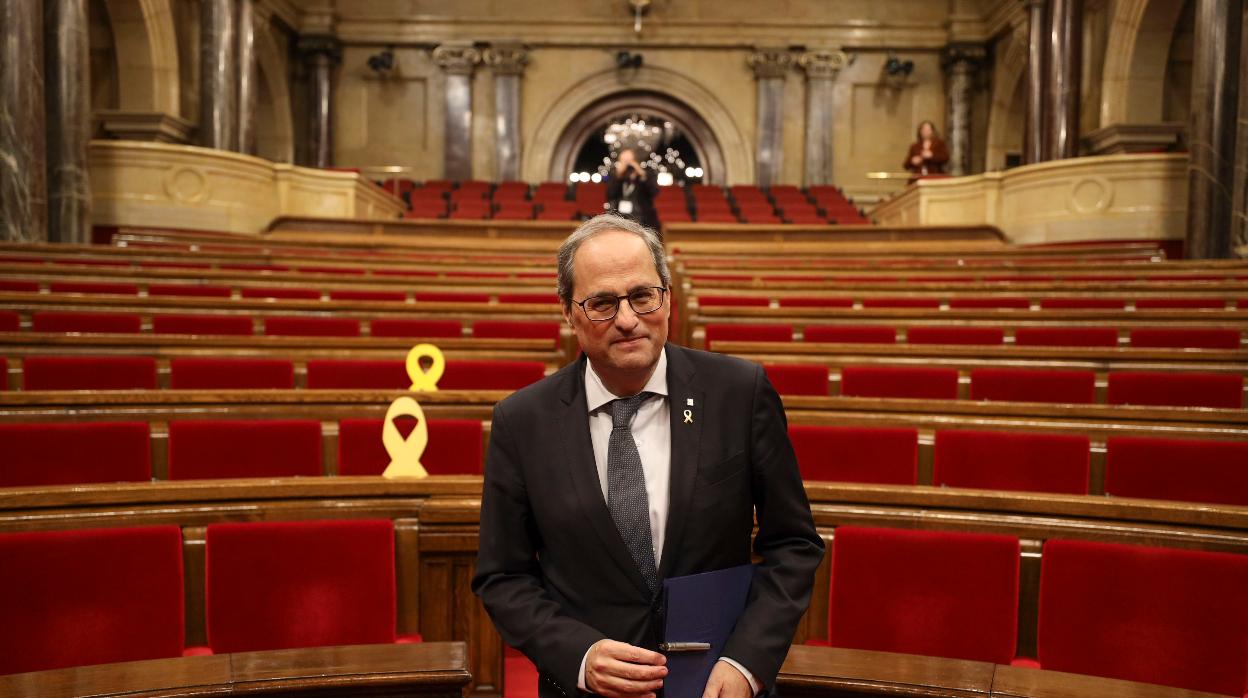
{"points": [[935, 164], [554, 572], [643, 197]]}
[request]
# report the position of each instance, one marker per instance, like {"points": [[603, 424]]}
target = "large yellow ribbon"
{"points": [[405, 453], [422, 380]]}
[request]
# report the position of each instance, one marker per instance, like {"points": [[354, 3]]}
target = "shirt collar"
{"points": [[597, 395]]}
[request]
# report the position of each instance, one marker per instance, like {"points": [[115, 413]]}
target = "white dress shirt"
{"points": [[652, 432]]}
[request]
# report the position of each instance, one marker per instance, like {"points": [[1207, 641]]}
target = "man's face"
{"points": [[628, 345], [627, 157]]}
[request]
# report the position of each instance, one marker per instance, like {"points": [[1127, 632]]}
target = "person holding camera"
{"points": [[631, 190]]}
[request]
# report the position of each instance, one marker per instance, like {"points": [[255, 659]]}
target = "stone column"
{"points": [[1034, 145], [821, 67], [320, 54], [1212, 125], [248, 74], [23, 202], [1239, 194], [1065, 66], [961, 63], [459, 60], [67, 93], [770, 66], [507, 63], [218, 106]]}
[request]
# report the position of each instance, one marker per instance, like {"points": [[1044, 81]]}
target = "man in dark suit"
{"points": [[641, 460]]}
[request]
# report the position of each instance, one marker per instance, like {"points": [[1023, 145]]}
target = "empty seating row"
{"points": [[494, 286], [1212, 300], [1088, 335]]}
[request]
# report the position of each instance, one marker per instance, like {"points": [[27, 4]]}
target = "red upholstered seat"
{"points": [[93, 288], [193, 373], [203, 324], [1180, 304], [856, 454], [300, 326], [747, 333], [358, 374], [1012, 460], [307, 294], [210, 449], [1188, 470], [251, 267], [4, 373], [1223, 390], [955, 335], [1082, 304], [1186, 337], [990, 302], [402, 327], [51, 321], [75, 453], [188, 290], [850, 334], [815, 302], [517, 329], [10, 321], [798, 379], [1028, 385], [453, 297], [925, 592], [900, 382], [352, 271], [734, 301], [1157, 615], [1066, 336], [455, 447], [929, 303], [14, 285], [299, 584], [89, 373], [527, 298], [383, 296], [73, 598], [467, 374]]}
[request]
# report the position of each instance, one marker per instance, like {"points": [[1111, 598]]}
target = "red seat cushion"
{"points": [[850, 334], [242, 448], [93, 288], [454, 448], [1010, 460], [467, 374], [1066, 336], [544, 298], [401, 327], [747, 333], [990, 302], [925, 592], [1082, 304], [1188, 470], [798, 379], [900, 382], [89, 373], [928, 303], [10, 321], [1180, 303], [90, 596], [308, 294], [1185, 338], [443, 297], [188, 290], [517, 329], [231, 374], [734, 301], [815, 302], [299, 326], [1027, 385], [75, 453], [1164, 616], [1223, 390], [358, 374], [241, 325], [13, 285], [383, 296], [51, 321], [856, 454], [299, 584], [955, 335]]}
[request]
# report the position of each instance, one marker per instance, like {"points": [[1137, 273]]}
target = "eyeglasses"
{"points": [[643, 301]]}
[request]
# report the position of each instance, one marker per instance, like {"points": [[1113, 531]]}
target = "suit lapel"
{"points": [[579, 455], [686, 438]]}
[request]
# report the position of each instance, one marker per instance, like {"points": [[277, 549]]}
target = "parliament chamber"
{"points": [[236, 236]]}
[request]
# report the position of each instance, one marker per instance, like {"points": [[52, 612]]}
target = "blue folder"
{"points": [[700, 608]]}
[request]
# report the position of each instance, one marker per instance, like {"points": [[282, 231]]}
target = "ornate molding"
{"points": [[132, 125], [770, 62], [963, 57], [506, 60], [314, 45], [457, 59], [823, 64]]}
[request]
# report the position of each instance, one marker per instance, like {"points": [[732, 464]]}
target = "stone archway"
{"points": [[1132, 84], [147, 55], [547, 136], [1006, 117]]}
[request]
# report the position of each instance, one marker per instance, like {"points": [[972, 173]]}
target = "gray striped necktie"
{"points": [[626, 488]]}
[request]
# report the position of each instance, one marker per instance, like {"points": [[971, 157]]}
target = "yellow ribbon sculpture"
{"points": [[405, 453]]}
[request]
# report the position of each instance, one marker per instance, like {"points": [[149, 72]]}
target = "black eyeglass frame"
{"points": [[663, 291]]}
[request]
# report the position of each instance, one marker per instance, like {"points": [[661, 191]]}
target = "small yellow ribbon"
{"points": [[688, 416], [405, 453], [422, 380]]}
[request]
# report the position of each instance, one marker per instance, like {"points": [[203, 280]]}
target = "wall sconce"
{"points": [[382, 63]]}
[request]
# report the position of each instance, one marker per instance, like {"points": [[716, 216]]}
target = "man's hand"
{"points": [[620, 670], [727, 682]]}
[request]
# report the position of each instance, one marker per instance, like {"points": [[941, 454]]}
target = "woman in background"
{"points": [[928, 153]]}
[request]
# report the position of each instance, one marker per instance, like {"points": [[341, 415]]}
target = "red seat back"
{"points": [[1223, 390], [94, 288], [75, 453], [89, 373], [240, 325], [1165, 616], [925, 592], [299, 326], [467, 374], [454, 448], [900, 382], [194, 373], [517, 329], [402, 327], [1066, 336], [299, 584], [955, 335], [990, 302], [1082, 304], [50, 321], [382, 296], [1188, 470], [440, 297], [1180, 303], [543, 298], [73, 598], [210, 449], [734, 301], [928, 303], [815, 302], [282, 293], [358, 374], [1010, 460], [856, 454], [188, 290], [19, 286], [850, 334], [798, 379], [1185, 338], [747, 333], [1028, 385], [10, 321]]}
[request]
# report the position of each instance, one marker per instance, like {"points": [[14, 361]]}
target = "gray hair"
{"points": [[605, 223]]}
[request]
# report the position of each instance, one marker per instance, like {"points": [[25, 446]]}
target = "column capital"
{"points": [[506, 59], [457, 59], [823, 64], [770, 62], [963, 57], [1032, 4], [312, 45]]}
